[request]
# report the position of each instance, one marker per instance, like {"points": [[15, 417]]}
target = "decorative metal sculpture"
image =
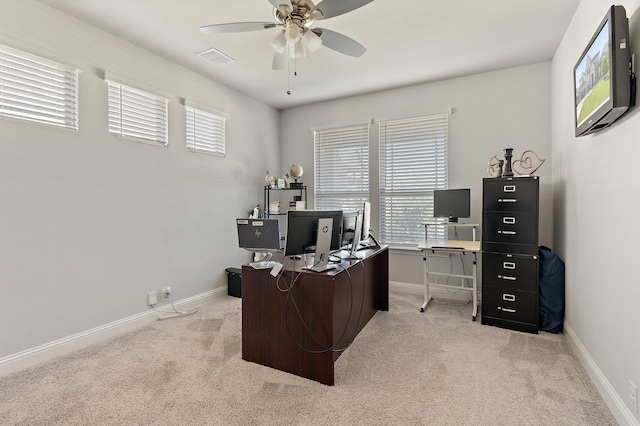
{"points": [[528, 164], [495, 167], [507, 171]]}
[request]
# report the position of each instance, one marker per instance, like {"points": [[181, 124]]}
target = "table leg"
{"points": [[427, 296], [475, 286]]}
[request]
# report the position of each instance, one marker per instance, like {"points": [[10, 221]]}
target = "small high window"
{"points": [[137, 115], [37, 89], [205, 132]]}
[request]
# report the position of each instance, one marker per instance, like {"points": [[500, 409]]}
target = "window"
{"points": [[341, 158], [137, 115], [205, 132], [36, 89], [413, 162]]}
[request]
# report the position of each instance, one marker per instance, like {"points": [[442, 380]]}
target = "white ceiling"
{"points": [[407, 41]]}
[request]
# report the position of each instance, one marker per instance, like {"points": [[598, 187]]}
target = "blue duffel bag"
{"points": [[551, 291]]}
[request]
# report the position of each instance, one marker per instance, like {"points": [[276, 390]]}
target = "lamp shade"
{"points": [[298, 51], [293, 33], [279, 42], [312, 41]]}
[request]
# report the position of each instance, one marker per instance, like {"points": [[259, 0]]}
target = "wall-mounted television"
{"points": [[603, 79], [452, 203]]}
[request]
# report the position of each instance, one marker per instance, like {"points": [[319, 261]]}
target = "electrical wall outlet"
{"points": [[633, 394], [166, 292], [152, 298]]}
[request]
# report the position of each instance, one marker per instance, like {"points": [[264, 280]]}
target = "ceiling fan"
{"points": [[294, 18]]}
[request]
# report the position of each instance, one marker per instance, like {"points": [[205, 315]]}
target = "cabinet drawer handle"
{"points": [[509, 188], [507, 278], [507, 232], [508, 265], [507, 200], [509, 220], [513, 311], [509, 297]]}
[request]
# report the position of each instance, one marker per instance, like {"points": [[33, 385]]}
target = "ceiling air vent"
{"points": [[216, 57]]}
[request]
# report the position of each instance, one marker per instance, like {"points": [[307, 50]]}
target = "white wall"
{"points": [[596, 197], [89, 224], [491, 111]]}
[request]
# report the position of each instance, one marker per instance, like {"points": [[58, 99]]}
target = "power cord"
{"points": [[325, 348], [176, 313]]}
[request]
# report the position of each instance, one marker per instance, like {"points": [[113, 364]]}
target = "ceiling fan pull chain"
{"points": [[288, 72]]}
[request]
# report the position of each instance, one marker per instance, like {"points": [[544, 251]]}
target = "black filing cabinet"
{"points": [[510, 211]]}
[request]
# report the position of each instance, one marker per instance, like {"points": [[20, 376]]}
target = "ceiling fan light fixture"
{"points": [[315, 14], [284, 9], [294, 18], [279, 42], [293, 33], [298, 51], [311, 40]]}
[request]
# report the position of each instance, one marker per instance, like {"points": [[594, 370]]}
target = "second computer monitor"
{"points": [[349, 227], [302, 230]]}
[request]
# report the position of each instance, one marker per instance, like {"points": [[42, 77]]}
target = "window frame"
{"points": [[137, 115], [405, 184], [205, 131], [341, 154], [38, 90]]}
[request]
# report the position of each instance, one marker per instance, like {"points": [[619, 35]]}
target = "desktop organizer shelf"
{"points": [[302, 192]]}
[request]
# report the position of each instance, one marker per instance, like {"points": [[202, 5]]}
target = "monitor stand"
{"points": [[352, 253], [265, 263], [323, 247], [367, 243]]}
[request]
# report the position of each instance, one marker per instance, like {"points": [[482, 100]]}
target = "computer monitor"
{"points": [[259, 235], [366, 238], [366, 220], [349, 223], [452, 203], [357, 236], [323, 244], [351, 235], [302, 230]]}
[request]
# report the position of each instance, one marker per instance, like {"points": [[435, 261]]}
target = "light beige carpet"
{"points": [[405, 368]]}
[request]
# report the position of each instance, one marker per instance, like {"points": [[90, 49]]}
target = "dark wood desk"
{"points": [[334, 305]]}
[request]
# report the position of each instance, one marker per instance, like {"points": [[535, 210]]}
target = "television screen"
{"points": [[604, 83], [593, 85], [452, 203]]}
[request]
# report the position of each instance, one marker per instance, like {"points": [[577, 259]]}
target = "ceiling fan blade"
{"points": [[280, 60], [236, 27], [278, 3], [331, 8], [340, 43]]}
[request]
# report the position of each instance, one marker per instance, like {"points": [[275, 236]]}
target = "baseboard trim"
{"points": [[618, 408], [19, 361]]}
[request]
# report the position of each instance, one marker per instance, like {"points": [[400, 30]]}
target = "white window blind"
{"points": [[205, 132], [413, 162], [37, 89], [137, 115], [341, 167]]}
